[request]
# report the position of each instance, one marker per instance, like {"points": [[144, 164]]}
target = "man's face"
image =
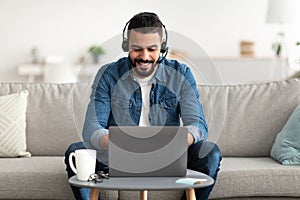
{"points": [[144, 52]]}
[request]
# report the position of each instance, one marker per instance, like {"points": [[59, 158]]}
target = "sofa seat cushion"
{"points": [[38, 177], [262, 176], [34, 178], [244, 177], [45, 178]]}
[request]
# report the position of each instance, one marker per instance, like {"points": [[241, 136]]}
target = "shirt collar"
{"points": [[126, 69], [160, 74]]}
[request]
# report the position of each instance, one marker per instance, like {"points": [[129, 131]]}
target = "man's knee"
{"points": [[73, 147], [206, 156], [214, 154], [213, 157], [209, 149]]}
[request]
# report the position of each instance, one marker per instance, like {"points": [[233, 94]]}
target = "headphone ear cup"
{"points": [[164, 47], [125, 46]]}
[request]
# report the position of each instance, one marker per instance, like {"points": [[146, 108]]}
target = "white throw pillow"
{"points": [[13, 125]]}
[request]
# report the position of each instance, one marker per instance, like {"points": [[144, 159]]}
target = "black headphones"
{"points": [[164, 48]]}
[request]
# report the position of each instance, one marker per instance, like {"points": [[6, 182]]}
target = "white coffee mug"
{"points": [[85, 160]]}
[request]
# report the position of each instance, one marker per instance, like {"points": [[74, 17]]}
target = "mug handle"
{"points": [[71, 162]]}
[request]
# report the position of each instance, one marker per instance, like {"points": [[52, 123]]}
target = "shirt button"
{"points": [[139, 110]]}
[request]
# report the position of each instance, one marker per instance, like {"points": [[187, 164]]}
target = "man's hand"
{"points": [[104, 142], [105, 139], [190, 139]]}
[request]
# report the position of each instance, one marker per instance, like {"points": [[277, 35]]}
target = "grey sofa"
{"points": [[243, 120]]}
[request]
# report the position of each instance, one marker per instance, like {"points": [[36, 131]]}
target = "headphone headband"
{"points": [[125, 45]]}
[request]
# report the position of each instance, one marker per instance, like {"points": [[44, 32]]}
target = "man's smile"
{"points": [[143, 64]]}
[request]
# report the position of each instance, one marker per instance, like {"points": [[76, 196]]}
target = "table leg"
{"points": [[143, 194], [190, 194], [94, 194]]}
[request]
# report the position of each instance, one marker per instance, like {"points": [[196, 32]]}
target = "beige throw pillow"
{"points": [[13, 125]]}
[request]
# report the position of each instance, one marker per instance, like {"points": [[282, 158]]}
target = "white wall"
{"points": [[69, 27]]}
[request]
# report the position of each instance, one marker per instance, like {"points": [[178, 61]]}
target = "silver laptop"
{"points": [[147, 151]]}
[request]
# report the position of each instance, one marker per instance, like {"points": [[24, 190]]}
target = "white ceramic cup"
{"points": [[85, 160]]}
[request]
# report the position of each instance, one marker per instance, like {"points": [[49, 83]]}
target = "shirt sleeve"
{"points": [[98, 110], [191, 108]]}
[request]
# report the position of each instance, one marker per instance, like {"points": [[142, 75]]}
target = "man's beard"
{"points": [[143, 72]]}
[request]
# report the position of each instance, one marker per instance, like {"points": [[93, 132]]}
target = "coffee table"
{"points": [[143, 184]]}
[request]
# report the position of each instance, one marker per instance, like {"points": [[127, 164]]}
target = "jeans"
{"points": [[203, 156]]}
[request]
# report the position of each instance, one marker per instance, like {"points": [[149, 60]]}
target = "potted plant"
{"points": [[96, 51], [298, 53], [276, 46]]}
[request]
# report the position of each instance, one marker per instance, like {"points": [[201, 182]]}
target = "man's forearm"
{"points": [[104, 142]]}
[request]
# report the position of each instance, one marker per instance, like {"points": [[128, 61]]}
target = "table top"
{"points": [[144, 183]]}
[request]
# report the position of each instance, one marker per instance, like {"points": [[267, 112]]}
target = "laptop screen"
{"points": [[147, 151]]}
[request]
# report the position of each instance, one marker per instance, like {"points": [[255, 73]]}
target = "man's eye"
{"points": [[152, 49], [136, 49]]}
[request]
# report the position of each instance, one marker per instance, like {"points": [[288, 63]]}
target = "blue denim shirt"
{"points": [[116, 100]]}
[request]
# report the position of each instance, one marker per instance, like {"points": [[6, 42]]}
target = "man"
{"points": [[145, 89]]}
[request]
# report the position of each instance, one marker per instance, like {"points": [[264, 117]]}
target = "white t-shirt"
{"points": [[145, 84]]}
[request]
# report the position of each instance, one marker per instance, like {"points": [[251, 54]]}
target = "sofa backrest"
{"points": [[245, 119], [51, 122]]}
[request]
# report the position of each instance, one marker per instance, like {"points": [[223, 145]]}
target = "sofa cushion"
{"points": [[38, 177], [256, 177], [245, 119], [243, 177], [55, 114], [286, 148], [13, 125], [34, 178]]}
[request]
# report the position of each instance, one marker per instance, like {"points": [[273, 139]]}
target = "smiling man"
{"points": [[146, 89], [144, 54]]}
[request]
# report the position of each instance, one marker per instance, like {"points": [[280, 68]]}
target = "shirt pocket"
{"points": [[170, 106], [169, 103], [121, 111]]}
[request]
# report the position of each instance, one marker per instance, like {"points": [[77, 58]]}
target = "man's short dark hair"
{"points": [[145, 22]]}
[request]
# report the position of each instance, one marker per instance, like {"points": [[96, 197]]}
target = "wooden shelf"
{"points": [[34, 70]]}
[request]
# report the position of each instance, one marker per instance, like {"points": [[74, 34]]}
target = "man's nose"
{"points": [[144, 54]]}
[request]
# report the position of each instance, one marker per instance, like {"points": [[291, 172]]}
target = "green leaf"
{"points": [[96, 50]]}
